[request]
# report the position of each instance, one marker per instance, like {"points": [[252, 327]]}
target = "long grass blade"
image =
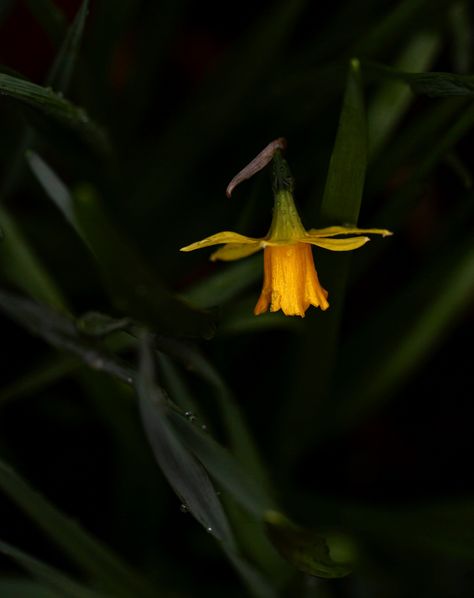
{"points": [[52, 577], [94, 559]]}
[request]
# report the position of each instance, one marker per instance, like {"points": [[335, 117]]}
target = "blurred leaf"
{"points": [[35, 379], [226, 283], [52, 577], [304, 549], [412, 324], [392, 98], [461, 36], [186, 475], [50, 17], [45, 101], [22, 268], [412, 141], [14, 587], [132, 284], [63, 67], [58, 366], [5, 7], [444, 528], [96, 561], [434, 85], [155, 41], [459, 169], [107, 29], [340, 205], [215, 108], [406, 15], [61, 332], [98, 325], [403, 198], [238, 318]]}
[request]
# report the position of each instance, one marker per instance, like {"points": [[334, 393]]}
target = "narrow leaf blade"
{"points": [[101, 565], [63, 67]]}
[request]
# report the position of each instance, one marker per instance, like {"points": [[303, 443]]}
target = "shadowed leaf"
{"points": [[50, 576], [304, 549], [132, 284], [101, 565], [61, 72], [45, 101]]}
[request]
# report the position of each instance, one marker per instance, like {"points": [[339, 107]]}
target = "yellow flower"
{"points": [[290, 281]]}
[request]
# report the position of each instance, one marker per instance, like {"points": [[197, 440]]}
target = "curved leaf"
{"points": [[304, 549], [51, 104], [101, 565]]}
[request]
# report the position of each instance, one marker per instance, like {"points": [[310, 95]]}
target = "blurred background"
{"points": [[361, 415]]}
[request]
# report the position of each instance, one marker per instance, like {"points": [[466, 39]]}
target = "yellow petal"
{"points": [[218, 238], [337, 244], [235, 251], [290, 281], [332, 231]]}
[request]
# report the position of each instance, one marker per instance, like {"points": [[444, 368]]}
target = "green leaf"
{"points": [[443, 528], [345, 180], [63, 67], [186, 475], [306, 550], [425, 317], [226, 283], [240, 439], [22, 268], [47, 574], [50, 18], [99, 325], [238, 318], [132, 284], [406, 15], [35, 379], [340, 205], [393, 98], [223, 466], [23, 588], [461, 36], [245, 501], [94, 559], [176, 386], [434, 85], [52, 105], [61, 332]]}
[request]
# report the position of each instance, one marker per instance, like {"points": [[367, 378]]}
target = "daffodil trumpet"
{"points": [[290, 280]]}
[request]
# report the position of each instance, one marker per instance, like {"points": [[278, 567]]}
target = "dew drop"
{"points": [[209, 530], [184, 508], [204, 427]]}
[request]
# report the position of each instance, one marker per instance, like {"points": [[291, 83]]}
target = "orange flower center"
{"points": [[290, 281]]}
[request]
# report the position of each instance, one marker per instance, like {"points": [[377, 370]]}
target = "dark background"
{"points": [[186, 104]]}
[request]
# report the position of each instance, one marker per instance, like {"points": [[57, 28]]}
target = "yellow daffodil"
{"points": [[290, 281]]}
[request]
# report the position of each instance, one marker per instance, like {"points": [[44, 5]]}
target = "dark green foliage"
{"points": [[327, 456]]}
